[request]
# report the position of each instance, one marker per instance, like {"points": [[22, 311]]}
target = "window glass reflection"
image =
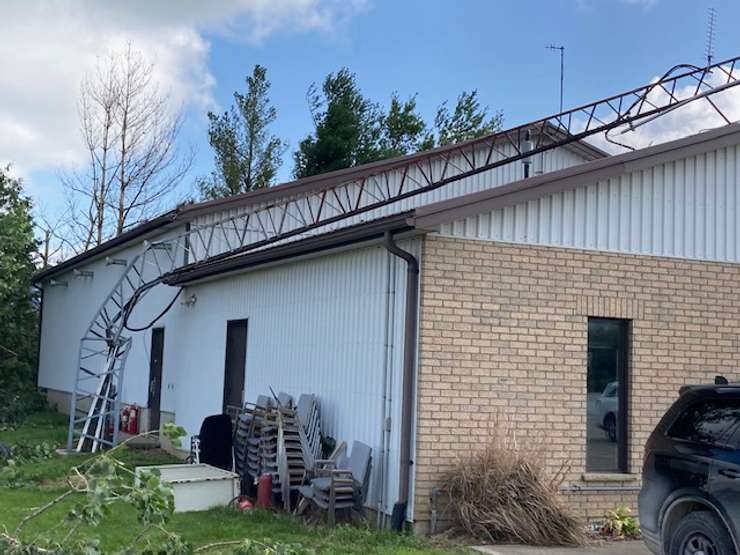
{"points": [[606, 352]]}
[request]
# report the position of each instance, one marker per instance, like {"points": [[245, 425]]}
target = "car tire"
{"points": [[701, 532], [610, 427]]}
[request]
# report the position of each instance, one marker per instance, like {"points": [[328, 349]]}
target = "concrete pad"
{"points": [[607, 548]]}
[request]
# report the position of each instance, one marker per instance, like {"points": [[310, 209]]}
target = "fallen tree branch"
{"points": [[216, 545], [36, 512]]}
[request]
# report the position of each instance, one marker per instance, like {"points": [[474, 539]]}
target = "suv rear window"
{"points": [[712, 422]]}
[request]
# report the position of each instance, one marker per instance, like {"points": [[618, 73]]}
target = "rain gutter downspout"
{"points": [[398, 517], [384, 412]]}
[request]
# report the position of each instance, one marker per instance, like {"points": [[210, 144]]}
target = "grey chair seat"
{"points": [[324, 484], [345, 490]]}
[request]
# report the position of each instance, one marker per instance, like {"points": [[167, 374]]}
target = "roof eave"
{"points": [[359, 233], [137, 232], [431, 216]]}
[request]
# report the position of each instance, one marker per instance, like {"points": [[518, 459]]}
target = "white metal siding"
{"points": [[686, 208], [546, 162], [69, 310], [315, 326]]}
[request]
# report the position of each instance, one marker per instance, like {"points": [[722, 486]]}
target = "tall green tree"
{"points": [[403, 130], [246, 156], [347, 127], [467, 120], [350, 129], [18, 317]]}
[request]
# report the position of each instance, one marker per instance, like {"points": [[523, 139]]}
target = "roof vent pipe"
{"points": [[528, 146], [398, 518]]}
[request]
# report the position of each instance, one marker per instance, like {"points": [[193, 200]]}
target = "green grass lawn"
{"points": [[45, 480]]}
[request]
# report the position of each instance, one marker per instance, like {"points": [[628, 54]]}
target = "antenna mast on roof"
{"points": [[562, 67], [710, 35]]}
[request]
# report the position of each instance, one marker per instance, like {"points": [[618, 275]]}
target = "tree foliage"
{"points": [[347, 127], [246, 156], [404, 130], [350, 129], [18, 317], [98, 484], [468, 120]]}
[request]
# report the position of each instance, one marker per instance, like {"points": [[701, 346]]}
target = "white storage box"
{"points": [[197, 487]]}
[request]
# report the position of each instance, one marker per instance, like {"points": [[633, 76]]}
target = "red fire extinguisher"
{"points": [[133, 421], [123, 425], [264, 491]]}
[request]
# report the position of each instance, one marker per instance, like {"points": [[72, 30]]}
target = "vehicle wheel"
{"points": [[701, 533], [610, 427]]}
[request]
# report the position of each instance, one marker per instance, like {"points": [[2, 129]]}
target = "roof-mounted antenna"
{"points": [[562, 68], [712, 21]]}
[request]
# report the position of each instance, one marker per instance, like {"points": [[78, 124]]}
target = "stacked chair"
{"points": [[247, 441], [279, 437], [340, 482], [275, 436]]}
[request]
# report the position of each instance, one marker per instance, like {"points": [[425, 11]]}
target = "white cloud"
{"points": [[46, 48]]}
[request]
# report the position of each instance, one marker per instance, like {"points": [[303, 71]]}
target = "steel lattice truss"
{"points": [[262, 226], [104, 347]]}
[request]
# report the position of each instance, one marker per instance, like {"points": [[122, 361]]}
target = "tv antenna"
{"points": [[710, 35], [562, 66]]}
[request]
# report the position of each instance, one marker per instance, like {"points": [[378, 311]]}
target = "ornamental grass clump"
{"points": [[504, 493]]}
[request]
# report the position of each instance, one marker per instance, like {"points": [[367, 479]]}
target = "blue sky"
{"points": [[434, 49]]}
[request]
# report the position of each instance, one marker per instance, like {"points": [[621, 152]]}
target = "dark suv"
{"points": [[690, 498]]}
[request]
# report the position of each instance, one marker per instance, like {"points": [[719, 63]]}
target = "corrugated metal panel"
{"points": [[315, 326], [553, 160], [685, 208], [69, 310]]}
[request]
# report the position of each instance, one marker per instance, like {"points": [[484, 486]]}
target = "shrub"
{"points": [[504, 494], [620, 523], [19, 396]]}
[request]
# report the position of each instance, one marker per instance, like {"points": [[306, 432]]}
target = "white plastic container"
{"points": [[197, 487]]}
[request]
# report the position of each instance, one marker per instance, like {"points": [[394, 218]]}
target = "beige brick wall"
{"points": [[503, 334]]}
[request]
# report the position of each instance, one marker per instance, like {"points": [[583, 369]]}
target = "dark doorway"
{"points": [[155, 377], [236, 359]]}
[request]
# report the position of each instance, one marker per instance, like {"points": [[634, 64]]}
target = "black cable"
{"points": [[150, 324]]}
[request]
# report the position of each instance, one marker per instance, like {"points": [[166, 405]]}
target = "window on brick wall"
{"points": [[606, 390]]}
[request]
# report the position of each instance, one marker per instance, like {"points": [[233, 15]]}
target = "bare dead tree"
{"points": [[148, 163], [130, 133], [54, 235]]}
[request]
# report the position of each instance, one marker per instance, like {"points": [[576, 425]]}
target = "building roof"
{"points": [[430, 217], [187, 212], [141, 231], [351, 235]]}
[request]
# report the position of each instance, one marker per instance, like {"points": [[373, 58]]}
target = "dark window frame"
{"points": [[623, 388]]}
